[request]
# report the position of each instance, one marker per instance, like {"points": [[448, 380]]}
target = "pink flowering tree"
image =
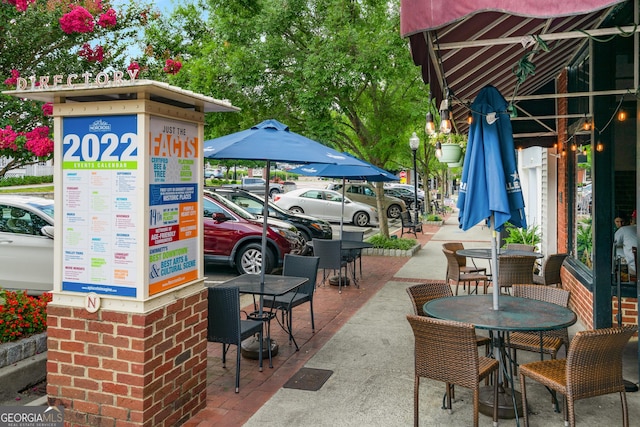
{"points": [[48, 37]]}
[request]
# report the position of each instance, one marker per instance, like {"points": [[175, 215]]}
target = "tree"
{"points": [[45, 38], [336, 71]]}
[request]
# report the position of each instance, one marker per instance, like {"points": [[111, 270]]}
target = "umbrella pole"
{"points": [[265, 216], [494, 261], [344, 183]]}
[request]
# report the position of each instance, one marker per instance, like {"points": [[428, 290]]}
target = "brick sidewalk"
{"points": [[331, 311]]}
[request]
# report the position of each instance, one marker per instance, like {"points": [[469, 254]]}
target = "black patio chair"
{"points": [[225, 325]]}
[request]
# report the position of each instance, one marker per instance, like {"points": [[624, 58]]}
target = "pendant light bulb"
{"points": [[445, 123], [622, 115], [430, 127]]}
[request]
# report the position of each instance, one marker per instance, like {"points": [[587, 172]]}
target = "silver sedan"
{"points": [[328, 205]]}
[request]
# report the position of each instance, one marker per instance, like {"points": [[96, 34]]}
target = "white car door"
{"points": [[26, 256]]}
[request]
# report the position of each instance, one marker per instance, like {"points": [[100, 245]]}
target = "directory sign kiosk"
{"points": [[129, 309]]}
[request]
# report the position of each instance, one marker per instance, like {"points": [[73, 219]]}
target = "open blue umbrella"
{"points": [[362, 171], [272, 141], [490, 185]]}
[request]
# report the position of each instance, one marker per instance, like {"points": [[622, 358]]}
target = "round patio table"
{"points": [[514, 314], [485, 253]]}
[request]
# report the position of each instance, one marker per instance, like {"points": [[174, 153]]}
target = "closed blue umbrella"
{"points": [[490, 185], [362, 171]]}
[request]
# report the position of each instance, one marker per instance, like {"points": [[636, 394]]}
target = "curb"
{"points": [[22, 374], [392, 252]]}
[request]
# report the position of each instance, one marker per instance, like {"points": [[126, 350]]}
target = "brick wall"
{"points": [[581, 302], [581, 298], [563, 214], [128, 369]]}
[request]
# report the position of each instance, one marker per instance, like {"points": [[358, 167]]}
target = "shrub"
{"points": [[22, 315], [433, 217], [379, 241], [25, 180]]}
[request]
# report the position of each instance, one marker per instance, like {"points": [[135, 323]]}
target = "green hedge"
{"points": [[26, 180]]}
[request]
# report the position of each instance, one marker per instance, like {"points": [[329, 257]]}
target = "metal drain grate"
{"points": [[309, 379]]}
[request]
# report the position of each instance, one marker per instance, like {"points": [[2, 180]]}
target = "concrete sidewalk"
{"points": [[371, 357]]}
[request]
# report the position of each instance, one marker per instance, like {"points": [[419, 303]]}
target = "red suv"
{"points": [[233, 236]]}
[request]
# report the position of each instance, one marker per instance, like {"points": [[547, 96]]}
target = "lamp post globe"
{"points": [[414, 144]]}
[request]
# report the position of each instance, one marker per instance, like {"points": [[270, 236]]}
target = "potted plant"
{"points": [[451, 145]]}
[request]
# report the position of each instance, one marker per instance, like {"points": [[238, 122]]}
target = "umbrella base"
{"points": [[335, 281], [250, 348], [505, 402]]}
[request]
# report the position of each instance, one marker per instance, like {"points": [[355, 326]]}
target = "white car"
{"points": [[26, 243], [408, 187], [328, 205]]}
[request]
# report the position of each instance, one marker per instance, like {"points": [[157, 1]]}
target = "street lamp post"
{"points": [[414, 143]]}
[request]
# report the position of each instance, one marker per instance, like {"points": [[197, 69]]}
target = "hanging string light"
{"points": [[622, 115]]}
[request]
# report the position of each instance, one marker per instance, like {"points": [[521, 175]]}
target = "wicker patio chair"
{"points": [[462, 260], [593, 367], [551, 271], [520, 247], [454, 274], [226, 327], [552, 340], [440, 345], [515, 269], [425, 292]]}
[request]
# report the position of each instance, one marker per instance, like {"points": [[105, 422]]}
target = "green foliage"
{"points": [[22, 315], [584, 242], [334, 71], [33, 43], [25, 180], [528, 236], [432, 217], [380, 241]]}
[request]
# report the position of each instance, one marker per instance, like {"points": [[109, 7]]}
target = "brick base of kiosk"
{"points": [[128, 369]]}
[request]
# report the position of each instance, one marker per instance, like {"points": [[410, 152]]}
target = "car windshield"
{"points": [[47, 208], [232, 207]]}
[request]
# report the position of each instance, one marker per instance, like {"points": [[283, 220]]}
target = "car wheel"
{"points": [[361, 219], [273, 192], [394, 211], [249, 259], [296, 209], [306, 249]]}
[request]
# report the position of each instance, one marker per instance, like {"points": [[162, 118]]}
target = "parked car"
{"points": [[408, 187], [212, 173], [405, 195], [233, 236], [257, 186], [327, 204], [365, 193], [310, 227], [26, 243]]}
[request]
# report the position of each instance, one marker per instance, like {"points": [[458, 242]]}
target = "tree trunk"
{"points": [[382, 213]]}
